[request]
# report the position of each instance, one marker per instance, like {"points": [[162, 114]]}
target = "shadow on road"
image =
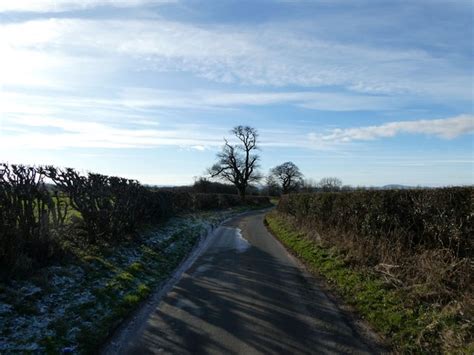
{"points": [[251, 302]]}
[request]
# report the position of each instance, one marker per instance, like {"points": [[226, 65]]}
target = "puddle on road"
{"points": [[241, 244]]}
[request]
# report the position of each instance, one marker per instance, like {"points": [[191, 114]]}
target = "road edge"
{"points": [[136, 321], [372, 339]]}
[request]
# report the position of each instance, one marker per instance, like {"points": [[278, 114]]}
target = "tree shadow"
{"points": [[246, 303]]}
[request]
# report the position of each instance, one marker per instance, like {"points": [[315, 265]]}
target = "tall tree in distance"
{"points": [[288, 176], [328, 184], [238, 163], [272, 187]]}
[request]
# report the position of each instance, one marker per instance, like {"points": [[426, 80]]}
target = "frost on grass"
{"points": [[57, 305]]}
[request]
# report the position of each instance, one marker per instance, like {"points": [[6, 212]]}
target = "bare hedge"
{"points": [[429, 218], [40, 207]]}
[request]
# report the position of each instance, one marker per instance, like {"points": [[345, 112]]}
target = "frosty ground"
{"points": [[73, 306]]}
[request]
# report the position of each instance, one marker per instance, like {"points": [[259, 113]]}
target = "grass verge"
{"points": [[411, 329], [73, 306]]}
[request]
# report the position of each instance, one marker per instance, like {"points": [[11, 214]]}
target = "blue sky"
{"points": [[373, 92]]}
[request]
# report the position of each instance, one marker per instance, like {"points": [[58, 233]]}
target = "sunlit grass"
{"points": [[411, 329]]}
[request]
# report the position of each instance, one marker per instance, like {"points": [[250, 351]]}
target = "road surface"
{"points": [[245, 295]]}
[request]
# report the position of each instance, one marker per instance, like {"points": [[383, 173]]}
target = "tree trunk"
{"points": [[242, 193]]}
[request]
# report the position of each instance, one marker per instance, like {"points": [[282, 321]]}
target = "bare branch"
{"points": [[288, 175], [236, 163]]}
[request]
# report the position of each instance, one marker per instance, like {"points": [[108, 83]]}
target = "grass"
{"points": [[132, 284], [77, 303], [421, 328], [274, 201]]}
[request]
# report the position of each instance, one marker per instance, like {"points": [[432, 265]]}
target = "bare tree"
{"points": [[330, 184], [271, 188], [288, 176], [236, 162]]}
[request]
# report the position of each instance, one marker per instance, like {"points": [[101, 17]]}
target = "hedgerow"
{"points": [[417, 244], [432, 218], [43, 207]]}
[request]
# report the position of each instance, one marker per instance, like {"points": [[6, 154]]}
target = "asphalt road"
{"points": [[246, 295]]}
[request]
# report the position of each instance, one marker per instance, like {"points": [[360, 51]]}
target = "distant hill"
{"points": [[400, 187]]}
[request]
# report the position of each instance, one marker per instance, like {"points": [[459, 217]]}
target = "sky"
{"points": [[373, 92]]}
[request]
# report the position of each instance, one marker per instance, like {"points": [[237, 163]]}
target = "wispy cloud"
{"points": [[447, 128], [62, 134], [202, 99], [82, 75], [43, 132], [69, 5], [265, 55], [129, 101], [40, 132]]}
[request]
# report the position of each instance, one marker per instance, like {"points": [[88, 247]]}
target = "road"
{"points": [[246, 295]]}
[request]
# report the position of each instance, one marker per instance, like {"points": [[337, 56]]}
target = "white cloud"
{"points": [[89, 134], [447, 128], [200, 148], [69, 5], [44, 132], [271, 54], [129, 101], [49, 53], [208, 99]]}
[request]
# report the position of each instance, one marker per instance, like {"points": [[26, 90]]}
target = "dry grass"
{"points": [[435, 275], [434, 283]]}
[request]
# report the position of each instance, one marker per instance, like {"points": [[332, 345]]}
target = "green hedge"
{"points": [[429, 218]]}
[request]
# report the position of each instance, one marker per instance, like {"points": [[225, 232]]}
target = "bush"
{"points": [[206, 201], [34, 216], [419, 241], [156, 205], [229, 200], [400, 299], [110, 206], [257, 200], [182, 201], [202, 185], [431, 218], [30, 217]]}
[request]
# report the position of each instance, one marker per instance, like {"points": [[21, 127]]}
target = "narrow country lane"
{"points": [[245, 295]]}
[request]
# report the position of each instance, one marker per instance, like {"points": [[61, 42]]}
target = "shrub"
{"points": [[34, 215], [257, 200], [156, 205], [431, 218], [109, 206], [229, 200], [418, 241], [30, 217], [422, 301], [206, 201], [182, 201]]}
